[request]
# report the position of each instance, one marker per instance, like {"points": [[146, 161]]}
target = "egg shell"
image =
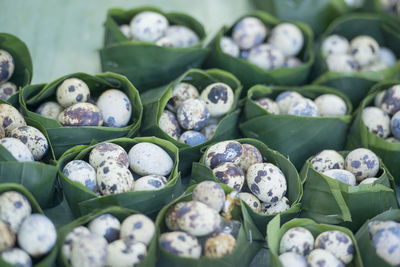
{"points": [[10, 118], [251, 200], [17, 149], [370, 180], [209, 131], [148, 26], [230, 174], [289, 259], [17, 257], [266, 57], [171, 216], [181, 36], [7, 237], [363, 163], [72, 91], [150, 183], [122, 253], [342, 63], [126, 30], [377, 225], [169, 124], [80, 171], [251, 155], [343, 176], [192, 138], [49, 109], [285, 100], [392, 140], [334, 45], [219, 245], [2, 132], [81, 114], [268, 104], [288, 38], [249, 32], [89, 251], [327, 160], [115, 107], [181, 244], [387, 56], [7, 66], [138, 228], [378, 98], [193, 114], [280, 206], [7, 89], [376, 121], [395, 125], [14, 209], [107, 226], [229, 46], [33, 139], [298, 240], [377, 65], [219, 98], [147, 158], [71, 238], [165, 42], [182, 92], [321, 257], [292, 62], [386, 242], [105, 151], [330, 105], [337, 243], [210, 193], [225, 151], [304, 107], [113, 177], [391, 100], [364, 49]]}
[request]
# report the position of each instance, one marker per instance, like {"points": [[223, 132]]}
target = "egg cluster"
{"points": [[385, 238], [149, 26], [111, 170], [362, 53], [391, 6], [330, 248], [74, 106], [35, 233], [194, 113], [266, 48], [197, 227], [105, 241], [7, 67]]}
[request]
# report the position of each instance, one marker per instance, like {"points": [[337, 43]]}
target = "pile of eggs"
{"points": [[266, 48], [149, 26], [197, 227], [108, 242], [293, 103], [197, 114], [360, 166], [383, 119], [7, 67], [35, 233], [110, 168], [385, 238], [362, 53], [391, 6], [330, 248], [73, 108]]}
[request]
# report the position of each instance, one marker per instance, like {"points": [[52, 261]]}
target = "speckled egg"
{"points": [[292, 62], [10, 118], [298, 240], [280, 206], [17, 149], [72, 91], [268, 104], [150, 183], [148, 26], [290, 259], [330, 105], [230, 174], [342, 63], [370, 180], [363, 163], [251, 200], [122, 253], [364, 49], [249, 32], [113, 177], [14, 208], [266, 57], [335, 45], [304, 107], [251, 155], [33, 139], [326, 160], [71, 238], [229, 46], [138, 228], [107, 226], [181, 36], [219, 98], [376, 121], [89, 251], [386, 242], [343, 176], [80, 171], [285, 100], [115, 107], [226, 151], [169, 124], [395, 125], [182, 92], [49, 109], [181, 244], [171, 216], [219, 245], [147, 158], [198, 219], [17, 257], [7, 237], [288, 38], [164, 42], [267, 182], [375, 226], [209, 131], [337, 243], [391, 100], [37, 235], [126, 30], [192, 138], [387, 56], [104, 151], [7, 66], [210, 193], [374, 66], [321, 257], [81, 114], [193, 114], [7, 89], [379, 97]]}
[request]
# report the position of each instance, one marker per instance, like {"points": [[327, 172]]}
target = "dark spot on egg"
{"points": [[18, 204], [111, 234], [106, 170], [79, 97], [7, 121], [71, 88], [218, 93], [255, 189]]}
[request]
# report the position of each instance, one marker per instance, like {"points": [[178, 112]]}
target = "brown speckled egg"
{"points": [[251, 155], [7, 90], [72, 91], [171, 216], [49, 109], [210, 193], [169, 124], [113, 177], [251, 200], [104, 151], [226, 151], [230, 174], [33, 139], [7, 237], [182, 91], [10, 118], [219, 98], [81, 114], [219, 245], [7, 65], [181, 244]]}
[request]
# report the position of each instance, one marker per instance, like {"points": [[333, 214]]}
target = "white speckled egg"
{"points": [[386, 242], [251, 155], [280, 206], [304, 107], [192, 138], [17, 149], [89, 251], [330, 105], [363, 163], [341, 63], [181, 244], [364, 49], [169, 124], [182, 92], [115, 107], [379, 97], [126, 30], [181, 36], [7, 237], [113, 177], [33, 139], [17, 257], [375, 66], [267, 182], [49, 109], [37, 235], [104, 151], [391, 100], [219, 245], [209, 131], [7, 89], [395, 125], [249, 32], [72, 91], [148, 26], [198, 219], [107, 226], [387, 56], [251, 200], [337, 243], [321, 257], [374, 226], [147, 158], [210, 193], [290, 259], [193, 114], [14, 208], [298, 240], [288, 38], [123, 253], [226, 151], [266, 57], [164, 42], [10, 118], [326, 160], [285, 100], [80, 171], [7, 66], [292, 62], [370, 180], [229, 46], [150, 183], [219, 98], [171, 216], [343, 176], [335, 45], [268, 104], [81, 114], [230, 174], [138, 228], [376, 121], [71, 238]]}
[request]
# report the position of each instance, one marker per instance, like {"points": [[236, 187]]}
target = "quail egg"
{"points": [[210, 193], [219, 98], [395, 125], [387, 56], [14, 209], [105, 151], [33, 139], [266, 57], [268, 104], [122, 253], [7, 66], [49, 109], [304, 107], [10, 118], [182, 92], [249, 32], [7, 89], [107, 226], [7, 237], [251, 200], [230, 174], [72, 91], [164, 42], [289, 259], [193, 114], [229, 46], [391, 100], [169, 124], [181, 244], [138, 228], [374, 66], [81, 114], [226, 151], [298, 240], [89, 251], [219, 245], [209, 131], [343, 176], [285, 100], [17, 257], [181, 36], [126, 30], [376, 121], [113, 177], [71, 238], [80, 171], [148, 26], [192, 138], [337, 243], [330, 105], [288, 38], [370, 180], [251, 155], [375, 226], [341, 63], [171, 216], [386, 240], [327, 160], [150, 183], [280, 206], [363, 163], [115, 107], [335, 45], [17, 149], [321, 257], [364, 49], [292, 62]]}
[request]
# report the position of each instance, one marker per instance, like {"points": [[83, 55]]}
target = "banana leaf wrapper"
{"points": [[275, 232], [368, 254], [120, 214], [296, 137], [63, 138], [83, 201], [250, 74], [327, 200], [356, 85], [242, 255], [257, 222], [145, 64], [155, 101]]}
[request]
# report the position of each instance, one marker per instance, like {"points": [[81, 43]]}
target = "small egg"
{"points": [[17, 149], [210, 193], [290, 259], [122, 253], [37, 235], [395, 125], [193, 114], [387, 56], [10, 118], [292, 62], [181, 36], [80, 171], [251, 200], [375, 226], [376, 121], [338, 243], [370, 180], [268, 104], [169, 124], [280, 206], [335, 45], [148, 26], [126, 30], [181, 244], [138, 228], [330, 105], [71, 238], [341, 63], [7, 237], [226, 151], [147, 158], [14, 209], [378, 98], [327, 160], [364, 49], [7, 89], [304, 107], [386, 243], [209, 131], [343, 176], [17, 257], [113, 177], [33, 139], [298, 240], [230, 174], [266, 57], [7, 66], [219, 98], [171, 216], [182, 92], [375, 66], [150, 183], [391, 100], [251, 155], [192, 138], [219, 245], [363, 163], [321, 257], [81, 114], [288, 38], [229, 46], [89, 251], [115, 107], [285, 100], [104, 151], [165, 42], [72, 91], [49, 109], [107, 226], [249, 32]]}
